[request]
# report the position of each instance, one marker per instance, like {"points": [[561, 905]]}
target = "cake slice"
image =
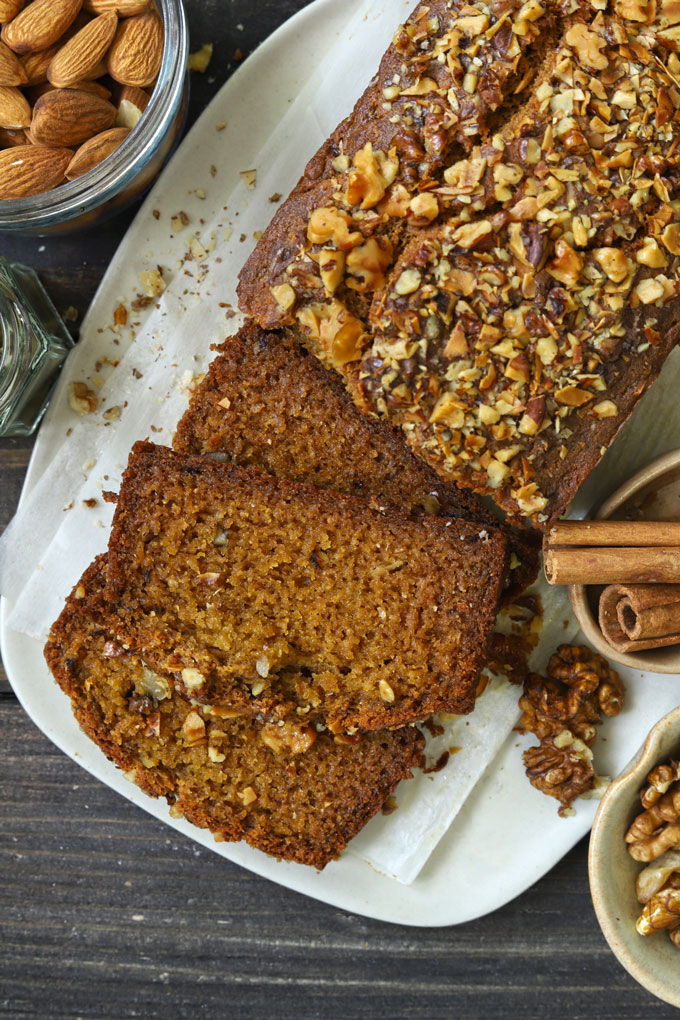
{"points": [[271, 596], [266, 402], [284, 789]]}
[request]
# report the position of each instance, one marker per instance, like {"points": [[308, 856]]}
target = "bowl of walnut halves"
{"points": [[634, 863]]}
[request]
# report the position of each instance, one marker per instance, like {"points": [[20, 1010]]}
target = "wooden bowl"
{"points": [[653, 494], [652, 960]]}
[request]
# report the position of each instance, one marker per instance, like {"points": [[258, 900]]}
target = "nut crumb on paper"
{"points": [[199, 60], [195, 250], [220, 126], [82, 399], [152, 282], [179, 221], [250, 178], [113, 413], [120, 316]]}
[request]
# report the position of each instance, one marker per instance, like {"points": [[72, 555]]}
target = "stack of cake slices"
{"points": [[285, 595]]}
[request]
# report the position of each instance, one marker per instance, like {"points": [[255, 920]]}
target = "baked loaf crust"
{"points": [[512, 337], [284, 789], [270, 597], [266, 403]]}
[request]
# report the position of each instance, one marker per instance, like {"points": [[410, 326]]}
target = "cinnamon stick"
{"points": [[604, 565], [637, 617], [614, 533]]}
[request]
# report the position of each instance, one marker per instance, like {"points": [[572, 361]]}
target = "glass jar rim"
{"points": [[118, 170]]}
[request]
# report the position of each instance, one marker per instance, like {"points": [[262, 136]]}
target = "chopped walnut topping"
{"points": [[284, 295]]}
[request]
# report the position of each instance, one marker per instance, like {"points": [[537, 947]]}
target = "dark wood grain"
{"points": [[107, 913]]}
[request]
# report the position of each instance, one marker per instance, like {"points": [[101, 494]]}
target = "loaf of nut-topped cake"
{"points": [[488, 247], [267, 403], [284, 788], [272, 597]]}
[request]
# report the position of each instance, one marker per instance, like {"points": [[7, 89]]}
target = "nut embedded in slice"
{"points": [[40, 24], [31, 169], [82, 54], [11, 69], [137, 50], [15, 111], [67, 117], [92, 152]]}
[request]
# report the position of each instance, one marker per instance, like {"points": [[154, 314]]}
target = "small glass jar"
{"points": [[131, 168], [33, 344]]}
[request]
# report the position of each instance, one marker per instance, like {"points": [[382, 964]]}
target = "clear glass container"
{"points": [[129, 170], [33, 344]]}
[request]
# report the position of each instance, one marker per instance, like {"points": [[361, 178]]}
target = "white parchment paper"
{"points": [[142, 373]]}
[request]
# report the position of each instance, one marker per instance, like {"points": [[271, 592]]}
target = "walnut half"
{"points": [[563, 710]]}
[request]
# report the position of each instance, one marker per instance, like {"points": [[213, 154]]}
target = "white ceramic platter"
{"points": [[507, 835]]}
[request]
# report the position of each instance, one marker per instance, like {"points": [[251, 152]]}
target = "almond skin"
{"points": [[137, 50], [65, 118], [81, 55], [121, 8], [95, 87], [31, 169], [40, 24], [9, 139], [92, 152], [15, 112], [35, 64], [11, 69], [10, 8]]}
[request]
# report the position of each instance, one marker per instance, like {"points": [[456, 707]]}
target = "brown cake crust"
{"points": [[508, 301], [269, 596], [267, 403], [285, 790]]}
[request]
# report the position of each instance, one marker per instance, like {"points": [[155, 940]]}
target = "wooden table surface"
{"points": [[107, 913]]}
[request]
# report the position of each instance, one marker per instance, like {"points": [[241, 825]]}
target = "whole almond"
{"points": [[81, 55], [92, 152], [66, 117], [95, 87], [9, 139], [31, 169], [40, 24], [35, 64], [137, 50], [131, 105], [15, 112], [10, 8], [121, 8], [11, 69]]}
